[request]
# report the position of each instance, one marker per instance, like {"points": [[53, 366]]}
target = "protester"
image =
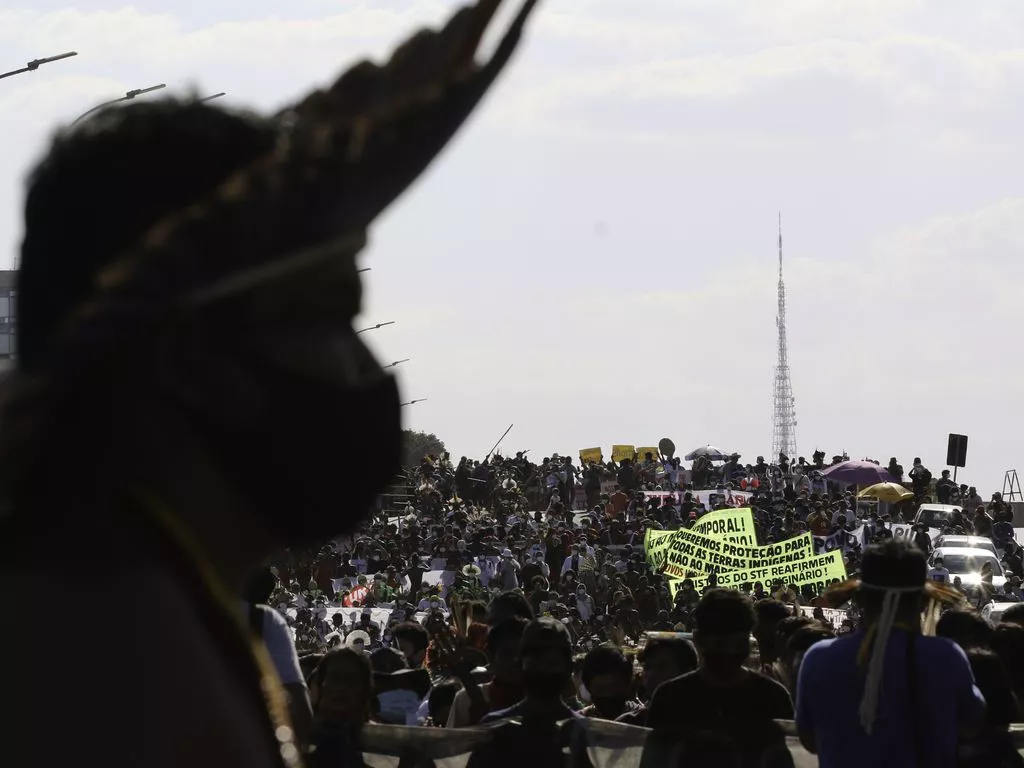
{"points": [[505, 689], [991, 746], [661, 659], [871, 697], [608, 679], [721, 711], [190, 395], [271, 627], [341, 690]]}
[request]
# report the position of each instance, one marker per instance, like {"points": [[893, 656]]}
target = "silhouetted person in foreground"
{"points": [[722, 713], [190, 395], [541, 725], [873, 697]]}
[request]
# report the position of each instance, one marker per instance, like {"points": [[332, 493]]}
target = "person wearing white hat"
{"points": [[357, 639], [508, 570]]}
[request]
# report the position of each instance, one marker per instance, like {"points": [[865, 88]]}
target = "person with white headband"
{"points": [[888, 694]]}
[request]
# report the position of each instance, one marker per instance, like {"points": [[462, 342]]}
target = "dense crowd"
{"points": [[434, 595]]}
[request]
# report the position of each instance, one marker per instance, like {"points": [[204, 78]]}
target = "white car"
{"points": [[993, 612], [966, 562], [935, 515], [971, 542]]}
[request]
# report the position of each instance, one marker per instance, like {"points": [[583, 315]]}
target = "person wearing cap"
{"points": [[872, 697]]}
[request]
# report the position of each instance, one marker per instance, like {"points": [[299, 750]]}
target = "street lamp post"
{"points": [[33, 65], [127, 97], [375, 327], [413, 402]]}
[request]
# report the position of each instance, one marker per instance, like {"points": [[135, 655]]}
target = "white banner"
{"points": [[710, 499], [904, 531], [833, 616], [845, 540]]}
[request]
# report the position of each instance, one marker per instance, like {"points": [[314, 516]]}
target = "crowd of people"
{"points": [[439, 599]]}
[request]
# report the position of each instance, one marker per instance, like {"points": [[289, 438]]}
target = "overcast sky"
{"points": [[594, 259]]}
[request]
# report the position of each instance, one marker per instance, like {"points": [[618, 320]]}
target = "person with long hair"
{"points": [[872, 697]]}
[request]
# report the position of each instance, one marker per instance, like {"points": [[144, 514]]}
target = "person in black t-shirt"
{"points": [[627, 476], [722, 702], [662, 659]]}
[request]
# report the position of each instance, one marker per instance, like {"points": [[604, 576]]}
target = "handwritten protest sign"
{"points": [[620, 452], [592, 455]]}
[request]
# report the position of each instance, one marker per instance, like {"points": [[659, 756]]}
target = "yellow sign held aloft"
{"points": [[642, 451], [620, 452]]}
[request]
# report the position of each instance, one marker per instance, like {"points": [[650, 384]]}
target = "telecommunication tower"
{"points": [[784, 421]]}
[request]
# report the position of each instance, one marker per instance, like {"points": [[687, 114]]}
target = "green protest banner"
{"points": [[818, 571], [694, 553], [732, 525]]}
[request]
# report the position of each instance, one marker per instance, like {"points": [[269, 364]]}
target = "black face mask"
{"points": [[313, 462], [544, 684]]}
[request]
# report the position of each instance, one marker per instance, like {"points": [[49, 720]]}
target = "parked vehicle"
{"points": [[935, 515], [993, 612], [971, 542], [966, 562]]}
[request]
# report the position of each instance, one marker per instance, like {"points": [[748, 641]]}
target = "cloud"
{"points": [[902, 72]]}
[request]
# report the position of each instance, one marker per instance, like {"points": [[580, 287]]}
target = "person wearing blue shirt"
{"points": [[873, 697]]}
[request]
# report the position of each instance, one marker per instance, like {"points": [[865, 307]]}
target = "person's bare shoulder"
{"points": [[111, 666]]}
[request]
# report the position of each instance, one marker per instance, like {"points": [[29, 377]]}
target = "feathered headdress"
{"points": [[342, 156]]}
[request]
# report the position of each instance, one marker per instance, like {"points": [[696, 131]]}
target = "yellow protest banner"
{"points": [[592, 455], [620, 452], [818, 571], [655, 544], [694, 553], [641, 453], [733, 525]]}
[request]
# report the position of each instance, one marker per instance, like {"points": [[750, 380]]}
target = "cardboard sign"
{"points": [[620, 452]]}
